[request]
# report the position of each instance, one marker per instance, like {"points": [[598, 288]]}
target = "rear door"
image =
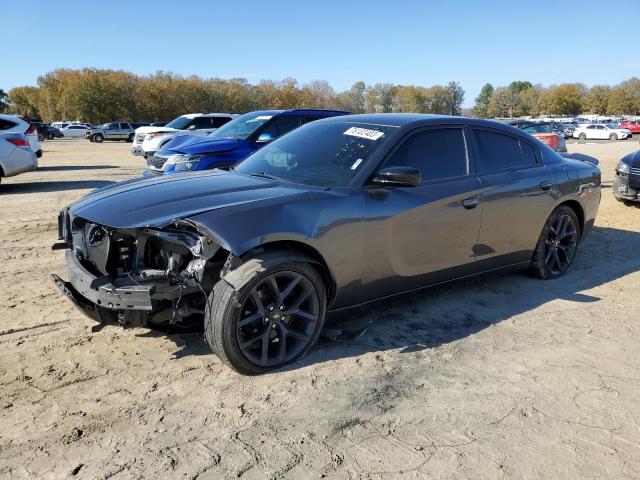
{"points": [[425, 234], [517, 197], [125, 130]]}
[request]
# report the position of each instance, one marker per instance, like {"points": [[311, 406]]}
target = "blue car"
{"points": [[230, 143]]}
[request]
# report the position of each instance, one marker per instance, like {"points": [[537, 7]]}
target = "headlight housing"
{"points": [[622, 167], [150, 136], [183, 163]]}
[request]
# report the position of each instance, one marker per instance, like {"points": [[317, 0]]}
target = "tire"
{"points": [[545, 263], [582, 136], [98, 138], [130, 139], [243, 347], [613, 136], [49, 136]]}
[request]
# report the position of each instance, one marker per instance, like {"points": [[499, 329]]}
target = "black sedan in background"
{"points": [[338, 213]]}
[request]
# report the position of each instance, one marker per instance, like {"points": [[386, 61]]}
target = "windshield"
{"points": [[322, 154], [241, 127], [612, 125], [179, 123]]}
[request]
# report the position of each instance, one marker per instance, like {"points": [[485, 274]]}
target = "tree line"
{"points": [[96, 96], [521, 98]]}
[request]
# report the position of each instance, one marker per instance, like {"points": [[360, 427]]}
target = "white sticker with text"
{"points": [[364, 133]]}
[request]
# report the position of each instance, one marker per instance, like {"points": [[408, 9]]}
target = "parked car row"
{"points": [[149, 139], [260, 253], [601, 132]]}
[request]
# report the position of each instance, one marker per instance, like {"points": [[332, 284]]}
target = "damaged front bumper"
{"points": [[626, 187], [110, 286]]}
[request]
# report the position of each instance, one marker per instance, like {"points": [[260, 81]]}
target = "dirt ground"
{"points": [[503, 376]]}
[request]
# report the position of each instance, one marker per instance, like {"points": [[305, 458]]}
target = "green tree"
{"points": [[454, 98], [353, 100], [4, 101], [481, 107], [379, 98]]}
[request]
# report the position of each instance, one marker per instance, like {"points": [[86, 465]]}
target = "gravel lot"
{"points": [[503, 376]]}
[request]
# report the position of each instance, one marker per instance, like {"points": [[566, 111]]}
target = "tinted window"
{"points": [[282, 125], [217, 122], [528, 153], [497, 151], [437, 154], [124, 126], [591, 127], [6, 124], [201, 122]]}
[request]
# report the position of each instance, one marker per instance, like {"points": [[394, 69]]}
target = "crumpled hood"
{"points": [[194, 144], [156, 201]]}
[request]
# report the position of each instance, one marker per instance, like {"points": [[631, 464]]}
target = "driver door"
{"points": [[425, 234]]}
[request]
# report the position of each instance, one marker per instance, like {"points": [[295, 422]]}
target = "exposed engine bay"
{"points": [[141, 276]]}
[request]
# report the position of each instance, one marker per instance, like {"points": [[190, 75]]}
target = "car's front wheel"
{"points": [[557, 245], [271, 320], [98, 138], [582, 136], [613, 136]]}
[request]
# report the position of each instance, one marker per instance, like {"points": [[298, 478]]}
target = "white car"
{"points": [[601, 131], [15, 124], [16, 155], [74, 131], [149, 139]]}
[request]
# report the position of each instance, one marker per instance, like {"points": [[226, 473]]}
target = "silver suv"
{"points": [[112, 131]]}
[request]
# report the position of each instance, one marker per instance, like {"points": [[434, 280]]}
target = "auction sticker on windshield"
{"points": [[364, 133]]}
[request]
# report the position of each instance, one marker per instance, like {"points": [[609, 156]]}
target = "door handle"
{"points": [[470, 203], [546, 185]]}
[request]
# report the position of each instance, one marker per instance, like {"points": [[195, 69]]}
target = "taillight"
{"points": [[31, 129], [18, 142]]}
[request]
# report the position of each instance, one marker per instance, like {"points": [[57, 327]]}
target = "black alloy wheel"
{"points": [[278, 319], [562, 242]]}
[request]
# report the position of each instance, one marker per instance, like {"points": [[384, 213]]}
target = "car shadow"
{"points": [[446, 313], [39, 187], [450, 312], [69, 168]]}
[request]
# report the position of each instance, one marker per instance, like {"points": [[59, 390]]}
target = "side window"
{"points": [[124, 126], [201, 123], [217, 122], [6, 124], [438, 154], [112, 126], [528, 154], [591, 127], [497, 151], [282, 125]]}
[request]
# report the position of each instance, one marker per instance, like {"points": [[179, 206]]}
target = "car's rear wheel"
{"points": [[557, 245], [130, 139], [272, 320], [98, 138], [582, 136], [613, 136]]}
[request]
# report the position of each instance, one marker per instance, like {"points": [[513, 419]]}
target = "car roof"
{"points": [[418, 119]]}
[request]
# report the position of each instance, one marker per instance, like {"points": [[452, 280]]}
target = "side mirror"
{"points": [[398, 176], [264, 138], [191, 127]]}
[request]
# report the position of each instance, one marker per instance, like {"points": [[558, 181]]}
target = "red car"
{"points": [[632, 125]]}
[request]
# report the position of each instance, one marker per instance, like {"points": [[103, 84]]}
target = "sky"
{"points": [[402, 42]]}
